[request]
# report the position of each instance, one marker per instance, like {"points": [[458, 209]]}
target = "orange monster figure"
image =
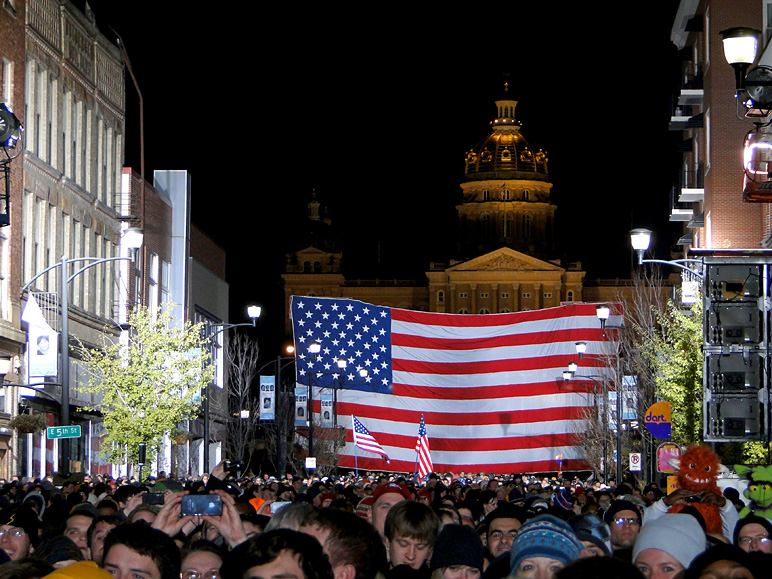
{"points": [[698, 472]]}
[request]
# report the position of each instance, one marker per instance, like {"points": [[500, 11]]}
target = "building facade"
{"points": [[709, 197], [74, 117], [12, 339], [507, 252]]}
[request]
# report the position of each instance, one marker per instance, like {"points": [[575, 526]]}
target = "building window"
{"points": [[505, 295], [505, 195], [526, 195], [506, 226], [463, 311], [440, 297], [463, 295], [485, 311], [569, 296], [548, 295], [6, 92], [527, 229], [486, 195], [526, 295], [484, 295], [505, 311], [166, 292], [152, 282]]}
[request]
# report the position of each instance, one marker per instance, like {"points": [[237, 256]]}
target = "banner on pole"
{"points": [[301, 401], [42, 340], [267, 397], [326, 400]]}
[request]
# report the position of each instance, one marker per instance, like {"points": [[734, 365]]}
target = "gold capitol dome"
{"points": [[505, 154]]}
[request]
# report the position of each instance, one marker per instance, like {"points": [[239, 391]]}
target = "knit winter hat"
{"points": [[457, 545], [678, 535], [590, 527], [563, 499], [544, 536]]}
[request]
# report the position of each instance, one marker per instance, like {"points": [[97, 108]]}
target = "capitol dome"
{"points": [[505, 154]]}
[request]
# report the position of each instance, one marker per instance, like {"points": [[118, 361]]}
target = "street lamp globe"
{"points": [[740, 47]]}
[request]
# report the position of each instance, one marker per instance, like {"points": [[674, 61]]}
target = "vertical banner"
{"points": [[326, 409], [301, 401], [42, 350], [267, 397]]}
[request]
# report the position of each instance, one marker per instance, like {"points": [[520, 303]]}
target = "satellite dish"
{"points": [[758, 83]]}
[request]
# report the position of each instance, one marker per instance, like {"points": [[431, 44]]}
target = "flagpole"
{"points": [[356, 462]]}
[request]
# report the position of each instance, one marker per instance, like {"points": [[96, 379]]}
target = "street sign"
{"points": [[63, 432], [635, 461]]}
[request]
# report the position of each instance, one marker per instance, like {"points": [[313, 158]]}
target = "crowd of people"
{"points": [[379, 526]]}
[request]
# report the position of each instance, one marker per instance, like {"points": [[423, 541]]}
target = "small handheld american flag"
{"points": [[365, 441], [425, 465]]}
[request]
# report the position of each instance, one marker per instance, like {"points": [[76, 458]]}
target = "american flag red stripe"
{"points": [[488, 385], [425, 465]]}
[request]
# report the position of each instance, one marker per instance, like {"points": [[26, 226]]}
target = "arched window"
{"points": [[440, 297], [527, 228], [506, 226]]}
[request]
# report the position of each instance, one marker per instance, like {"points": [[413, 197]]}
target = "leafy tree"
{"points": [[674, 354], [146, 386]]}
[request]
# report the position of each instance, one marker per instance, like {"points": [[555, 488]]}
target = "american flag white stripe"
{"points": [[425, 465], [487, 385]]}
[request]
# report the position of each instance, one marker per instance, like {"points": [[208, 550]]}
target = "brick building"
{"points": [[708, 198], [12, 339]]}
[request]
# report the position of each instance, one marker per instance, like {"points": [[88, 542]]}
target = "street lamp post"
{"points": [[133, 239], [570, 377], [253, 312], [314, 349]]}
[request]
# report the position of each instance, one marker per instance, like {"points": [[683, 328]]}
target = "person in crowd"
{"points": [[729, 515], [458, 554], [502, 526], [624, 520], [725, 562], [59, 551], [667, 546], [354, 547], [593, 533], [753, 533], [278, 554], [76, 527], [96, 534], [202, 560], [19, 532], [599, 567], [544, 545], [135, 548], [26, 569], [410, 529], [384, 498]]}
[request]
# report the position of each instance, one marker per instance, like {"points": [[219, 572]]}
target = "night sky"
{"points": [[374, 107]]}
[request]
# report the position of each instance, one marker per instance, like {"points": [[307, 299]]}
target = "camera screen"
{"points": [[201, 505]]}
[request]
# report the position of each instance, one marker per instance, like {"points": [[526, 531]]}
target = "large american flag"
{"points": [[490, 385], [424, 459]]}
